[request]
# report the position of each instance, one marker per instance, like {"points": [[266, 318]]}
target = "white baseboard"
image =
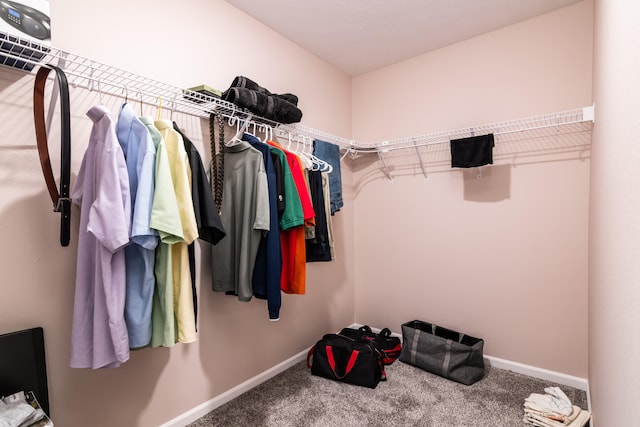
{"points": [[543, 374], [208, 406], [520, 368]]}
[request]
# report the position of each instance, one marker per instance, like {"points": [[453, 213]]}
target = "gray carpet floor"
{"points": [[410, 397]]}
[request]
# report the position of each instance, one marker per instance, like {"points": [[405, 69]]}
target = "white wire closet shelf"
{"points": [[86, 73]]}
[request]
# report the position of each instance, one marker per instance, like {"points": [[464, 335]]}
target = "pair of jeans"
{"points": [[330, 153]]}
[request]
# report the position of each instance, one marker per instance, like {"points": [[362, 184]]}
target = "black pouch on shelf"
{"points": [[443, 351]]}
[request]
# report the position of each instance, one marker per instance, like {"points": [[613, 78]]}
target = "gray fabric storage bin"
{"points": [[442, 351]]}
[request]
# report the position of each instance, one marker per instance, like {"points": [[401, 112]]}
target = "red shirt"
{"points": [[294, 252]]}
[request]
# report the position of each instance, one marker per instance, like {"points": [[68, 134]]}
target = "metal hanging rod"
{"points": [[82, 72], [554, 120], [86, 73]]}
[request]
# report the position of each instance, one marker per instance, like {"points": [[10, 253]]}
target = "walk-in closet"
{"points": [[535, 252]]}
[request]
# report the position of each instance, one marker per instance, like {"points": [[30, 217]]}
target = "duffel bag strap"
{"points": [[309, 356], [414, 345], [350, 363], [447, 359]]}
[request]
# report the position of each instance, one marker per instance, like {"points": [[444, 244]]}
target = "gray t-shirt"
{"points": [[245, 216]]}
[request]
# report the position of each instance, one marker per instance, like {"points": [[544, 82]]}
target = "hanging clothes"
{"points": [[326, 192], [330, 153], [245, 217], [278, 168], [268, 264], [181, 275], [292, 214], [140, 156], [210, 227], [165, 219], [99, 336], [317, 246], [294, 267]]}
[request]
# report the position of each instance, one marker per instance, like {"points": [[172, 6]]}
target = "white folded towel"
{"points": [[554, 401], [580, 420], [14, 413]]}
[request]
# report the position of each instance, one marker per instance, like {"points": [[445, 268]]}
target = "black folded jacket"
{"points": [[472, 152], [247, 83], [263, 105]]}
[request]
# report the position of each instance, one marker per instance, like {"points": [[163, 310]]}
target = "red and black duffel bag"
{"points": [[389, 346], [344, 359]]}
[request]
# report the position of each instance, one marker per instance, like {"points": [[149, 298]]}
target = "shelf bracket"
{"points": [[384, 166], [424, 171]]}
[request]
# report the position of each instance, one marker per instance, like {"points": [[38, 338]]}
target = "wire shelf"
{"points": [[82, 72]]}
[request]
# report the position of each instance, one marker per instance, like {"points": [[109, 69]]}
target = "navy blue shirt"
{"points": [[318, 248], [266, 272]]}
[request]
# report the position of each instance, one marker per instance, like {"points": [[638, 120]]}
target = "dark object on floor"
{"points": [[442, 351], [344, 359], [472, 152], [387, 345]]}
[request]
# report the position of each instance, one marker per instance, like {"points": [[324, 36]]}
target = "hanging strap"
{"points": [[217, 161], [61, 200]]}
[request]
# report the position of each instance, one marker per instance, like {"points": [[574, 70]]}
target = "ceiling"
{"points": [[357, 36]]}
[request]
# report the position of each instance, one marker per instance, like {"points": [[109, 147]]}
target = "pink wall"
{"points": [[614, 271], [236, 340], [503, 257]]}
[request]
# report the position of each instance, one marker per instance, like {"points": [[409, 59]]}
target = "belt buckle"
{"points": [[62, 205]]}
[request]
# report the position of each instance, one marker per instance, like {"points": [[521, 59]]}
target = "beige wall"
{"points": [[503, 257], [614, 271], [211, 44]]}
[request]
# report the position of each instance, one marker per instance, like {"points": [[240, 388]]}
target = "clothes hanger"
{"points": [[159, 107], [237, 138], [320, 165], [268, 133], [253, 133], [299, 151], [173, 107], [323, 166], [100, 92], [289, 136]]}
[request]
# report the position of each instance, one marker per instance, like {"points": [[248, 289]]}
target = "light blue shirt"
{"points": [[140, 154]]}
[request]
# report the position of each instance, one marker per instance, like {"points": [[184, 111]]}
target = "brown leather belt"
{"points": [[61, 200]]}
